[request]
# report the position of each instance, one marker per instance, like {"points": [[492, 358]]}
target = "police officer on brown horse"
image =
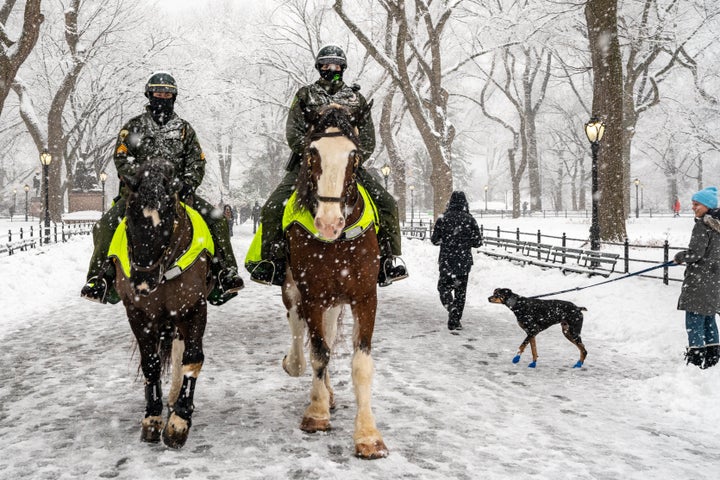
{"points": [[331, 63], [160, 133]]}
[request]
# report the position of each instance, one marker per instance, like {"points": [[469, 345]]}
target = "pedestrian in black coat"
{"points": [[457, 232]]}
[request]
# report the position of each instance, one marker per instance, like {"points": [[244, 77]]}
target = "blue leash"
{"points": [[662, 265]]}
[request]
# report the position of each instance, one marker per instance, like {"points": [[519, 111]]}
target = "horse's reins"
{"points": [[161, 263], [662, 265]]}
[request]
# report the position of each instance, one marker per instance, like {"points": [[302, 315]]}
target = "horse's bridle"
{"points": [[162, 262], [356, 164]]}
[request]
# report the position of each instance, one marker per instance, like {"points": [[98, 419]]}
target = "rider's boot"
{"points": [[100, 287], [269, 272], [390, 271], [101, 272], [270, 269], [224, 266]]}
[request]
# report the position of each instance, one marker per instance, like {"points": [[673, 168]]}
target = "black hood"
{"points": [[458, 202]]}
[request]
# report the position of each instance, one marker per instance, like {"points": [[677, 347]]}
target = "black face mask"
{"points": [[161, 109], [331, 75]]}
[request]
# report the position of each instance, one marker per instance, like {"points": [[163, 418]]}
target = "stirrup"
{"points": [[95, 290], [390, 273], [230, 281], [268, 272]]}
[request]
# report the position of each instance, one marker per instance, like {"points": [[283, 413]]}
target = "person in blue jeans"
{"points": [[700, 293]]}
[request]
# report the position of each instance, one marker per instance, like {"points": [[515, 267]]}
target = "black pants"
{"points": [[453, 288]]}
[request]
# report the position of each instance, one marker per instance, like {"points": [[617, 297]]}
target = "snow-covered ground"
{"points": [[449, 406]]}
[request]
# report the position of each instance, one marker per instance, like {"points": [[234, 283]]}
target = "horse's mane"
{"points": [[330, 116], [153, 179]]}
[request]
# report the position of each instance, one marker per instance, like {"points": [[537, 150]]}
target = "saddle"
{"points": [[293, 215], [201, 242]]}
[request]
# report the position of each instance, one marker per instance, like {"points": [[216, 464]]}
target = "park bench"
{"points": [[574, 260], [414, 232], [24, 244]]}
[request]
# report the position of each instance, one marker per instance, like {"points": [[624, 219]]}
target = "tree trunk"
{"points": [[607, 105], [397, 163], [10, 64]]}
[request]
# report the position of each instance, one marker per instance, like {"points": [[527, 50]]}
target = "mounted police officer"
{"points": [[330, 88], [160, 133]]}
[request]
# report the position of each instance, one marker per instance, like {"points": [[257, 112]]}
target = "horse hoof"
{"points": [[296, 370], [176, 432], [152, 428], [312, 425], [371, 451]]}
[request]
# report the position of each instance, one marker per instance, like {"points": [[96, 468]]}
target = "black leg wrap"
{"points": [[151, 369], [153, 399], [184, 406]]}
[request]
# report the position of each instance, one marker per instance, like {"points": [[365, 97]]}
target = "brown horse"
{"points": [[330, 268], [165, 305]]}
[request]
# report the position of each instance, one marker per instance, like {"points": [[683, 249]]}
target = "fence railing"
{"points": [[30, 237], [633, 257]]}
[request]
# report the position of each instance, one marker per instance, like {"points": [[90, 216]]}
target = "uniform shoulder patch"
{"points": [[202, 156], [121, 149], [123, 134]]}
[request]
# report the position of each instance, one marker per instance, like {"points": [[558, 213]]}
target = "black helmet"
{"points": [[331, 54], [160, 82]]}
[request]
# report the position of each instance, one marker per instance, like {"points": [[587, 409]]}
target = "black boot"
{"points": [[229, 281], [389, 272], [100, 288], [268, 272], [695, 355], [712, 355]]}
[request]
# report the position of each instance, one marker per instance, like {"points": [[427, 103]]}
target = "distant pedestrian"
{"points": [[700, 293], [230, 217], [255, 216], [676, 208], [525, 207], [457, 232]]}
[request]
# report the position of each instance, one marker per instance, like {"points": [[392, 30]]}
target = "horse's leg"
{"points": [[368, 440], [146, 334], [317, 414], [178, 347], [330, 325], [179, 422], [294, 362]]}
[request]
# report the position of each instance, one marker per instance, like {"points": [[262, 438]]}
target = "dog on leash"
{"points": [[534, 316]]}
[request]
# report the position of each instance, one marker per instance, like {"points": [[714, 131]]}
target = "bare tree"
{"points": [[417, 36], [656, 46], [601, 16], [14, 52]]}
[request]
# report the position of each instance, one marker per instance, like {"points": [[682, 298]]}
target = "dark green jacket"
{"points": [[141, 138], [311, 97]]}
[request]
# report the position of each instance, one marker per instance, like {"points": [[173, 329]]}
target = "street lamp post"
{"points": [[412, 205], [594, 130], [45, 159], [27, 189], [385, 170], [642, 196], [103, 178], [637, 203], [486, 189]]}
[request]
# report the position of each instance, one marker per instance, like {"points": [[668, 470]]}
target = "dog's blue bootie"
{"points": [[516, 358], [532, 364], [579, 364]]}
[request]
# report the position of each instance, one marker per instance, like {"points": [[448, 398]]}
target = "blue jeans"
{"points": [[701, 329]]}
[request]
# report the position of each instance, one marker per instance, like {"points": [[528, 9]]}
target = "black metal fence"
{"points": [[633, 257], [31, 237]]}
